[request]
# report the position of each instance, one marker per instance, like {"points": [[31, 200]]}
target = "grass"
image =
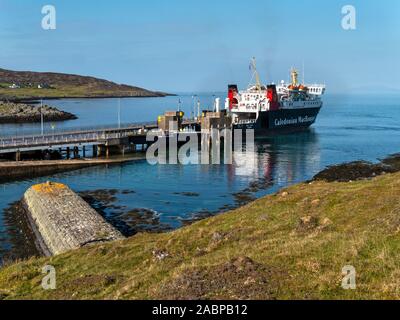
{"points": [[66, 92], [291, 245], [5, 108]]}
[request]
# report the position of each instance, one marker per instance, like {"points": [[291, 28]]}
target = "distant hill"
{"points": [[27, 85]]}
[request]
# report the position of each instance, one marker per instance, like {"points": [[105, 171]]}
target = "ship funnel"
{"points": [[232, 92]]}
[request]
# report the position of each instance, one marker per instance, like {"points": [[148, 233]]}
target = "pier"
{"points": [[102, 141], [105, 141], [14, 170]]}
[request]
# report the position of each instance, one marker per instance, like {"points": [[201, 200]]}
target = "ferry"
{"points": [[274, 108]]}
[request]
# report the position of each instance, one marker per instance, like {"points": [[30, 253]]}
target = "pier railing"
{"points": [[89, 135], [31, 132], [74, 135]]}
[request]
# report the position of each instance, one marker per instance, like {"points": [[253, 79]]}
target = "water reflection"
{"points": [[283, 159]]}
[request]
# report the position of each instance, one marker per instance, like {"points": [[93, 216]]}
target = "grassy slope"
{"points": [[353, 223], [66, 91], [64, 85]]}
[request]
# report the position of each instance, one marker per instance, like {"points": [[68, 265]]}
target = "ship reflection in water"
{"points": [[280, 159]]}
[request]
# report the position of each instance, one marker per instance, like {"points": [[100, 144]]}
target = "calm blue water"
{"points": [[348, 128]]}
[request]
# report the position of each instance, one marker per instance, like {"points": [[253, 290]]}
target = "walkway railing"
{"points": [[36, 131], [69, 137], [76, 135]]}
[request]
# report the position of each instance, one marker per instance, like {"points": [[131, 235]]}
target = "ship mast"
{"points": [[255, 73], [294, 76]]}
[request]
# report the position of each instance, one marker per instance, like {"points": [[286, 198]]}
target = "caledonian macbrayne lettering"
{"points": [[291, 121]]}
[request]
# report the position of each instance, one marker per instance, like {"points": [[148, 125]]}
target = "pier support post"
{"points": [[107, 151], [68, 155], [84, 151], [76, 152], [95, 151], [18, 156]]}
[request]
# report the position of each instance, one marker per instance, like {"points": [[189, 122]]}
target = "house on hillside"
{"points": [[14, 86], [43, 86]]}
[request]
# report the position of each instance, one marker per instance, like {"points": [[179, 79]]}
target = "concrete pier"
{"points": [[14, 170], [63, 220]]}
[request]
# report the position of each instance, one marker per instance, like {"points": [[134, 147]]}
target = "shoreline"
{"points": [[37, 99]]}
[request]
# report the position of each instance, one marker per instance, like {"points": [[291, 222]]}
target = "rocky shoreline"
{"points": [[24, 113], [359, 170]]}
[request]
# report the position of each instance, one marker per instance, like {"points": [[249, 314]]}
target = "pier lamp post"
{"points": [[41, 117], [179, 104], [119, 113], [53, 127], [198, 109], [194, 105]]}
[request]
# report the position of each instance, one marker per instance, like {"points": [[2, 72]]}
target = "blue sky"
{"points": [[186, 45]]}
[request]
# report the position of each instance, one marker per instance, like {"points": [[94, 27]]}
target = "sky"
{"points": [[201, 46]]}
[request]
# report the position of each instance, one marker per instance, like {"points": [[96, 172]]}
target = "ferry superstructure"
{"points": [[266, 108]]}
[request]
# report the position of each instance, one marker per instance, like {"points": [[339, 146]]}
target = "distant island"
{"points": [[19, 86]]}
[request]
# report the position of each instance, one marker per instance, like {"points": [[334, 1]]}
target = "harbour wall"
{"points": [[63, 221], [14, 170]]}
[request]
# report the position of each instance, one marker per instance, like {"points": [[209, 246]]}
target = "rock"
{"points": [[200, 252], [24, 113], [307, 223], [160, 254], [326, 222], [315, 202], [285, 194], [306, 219], [217, 236], [358, 170]]}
